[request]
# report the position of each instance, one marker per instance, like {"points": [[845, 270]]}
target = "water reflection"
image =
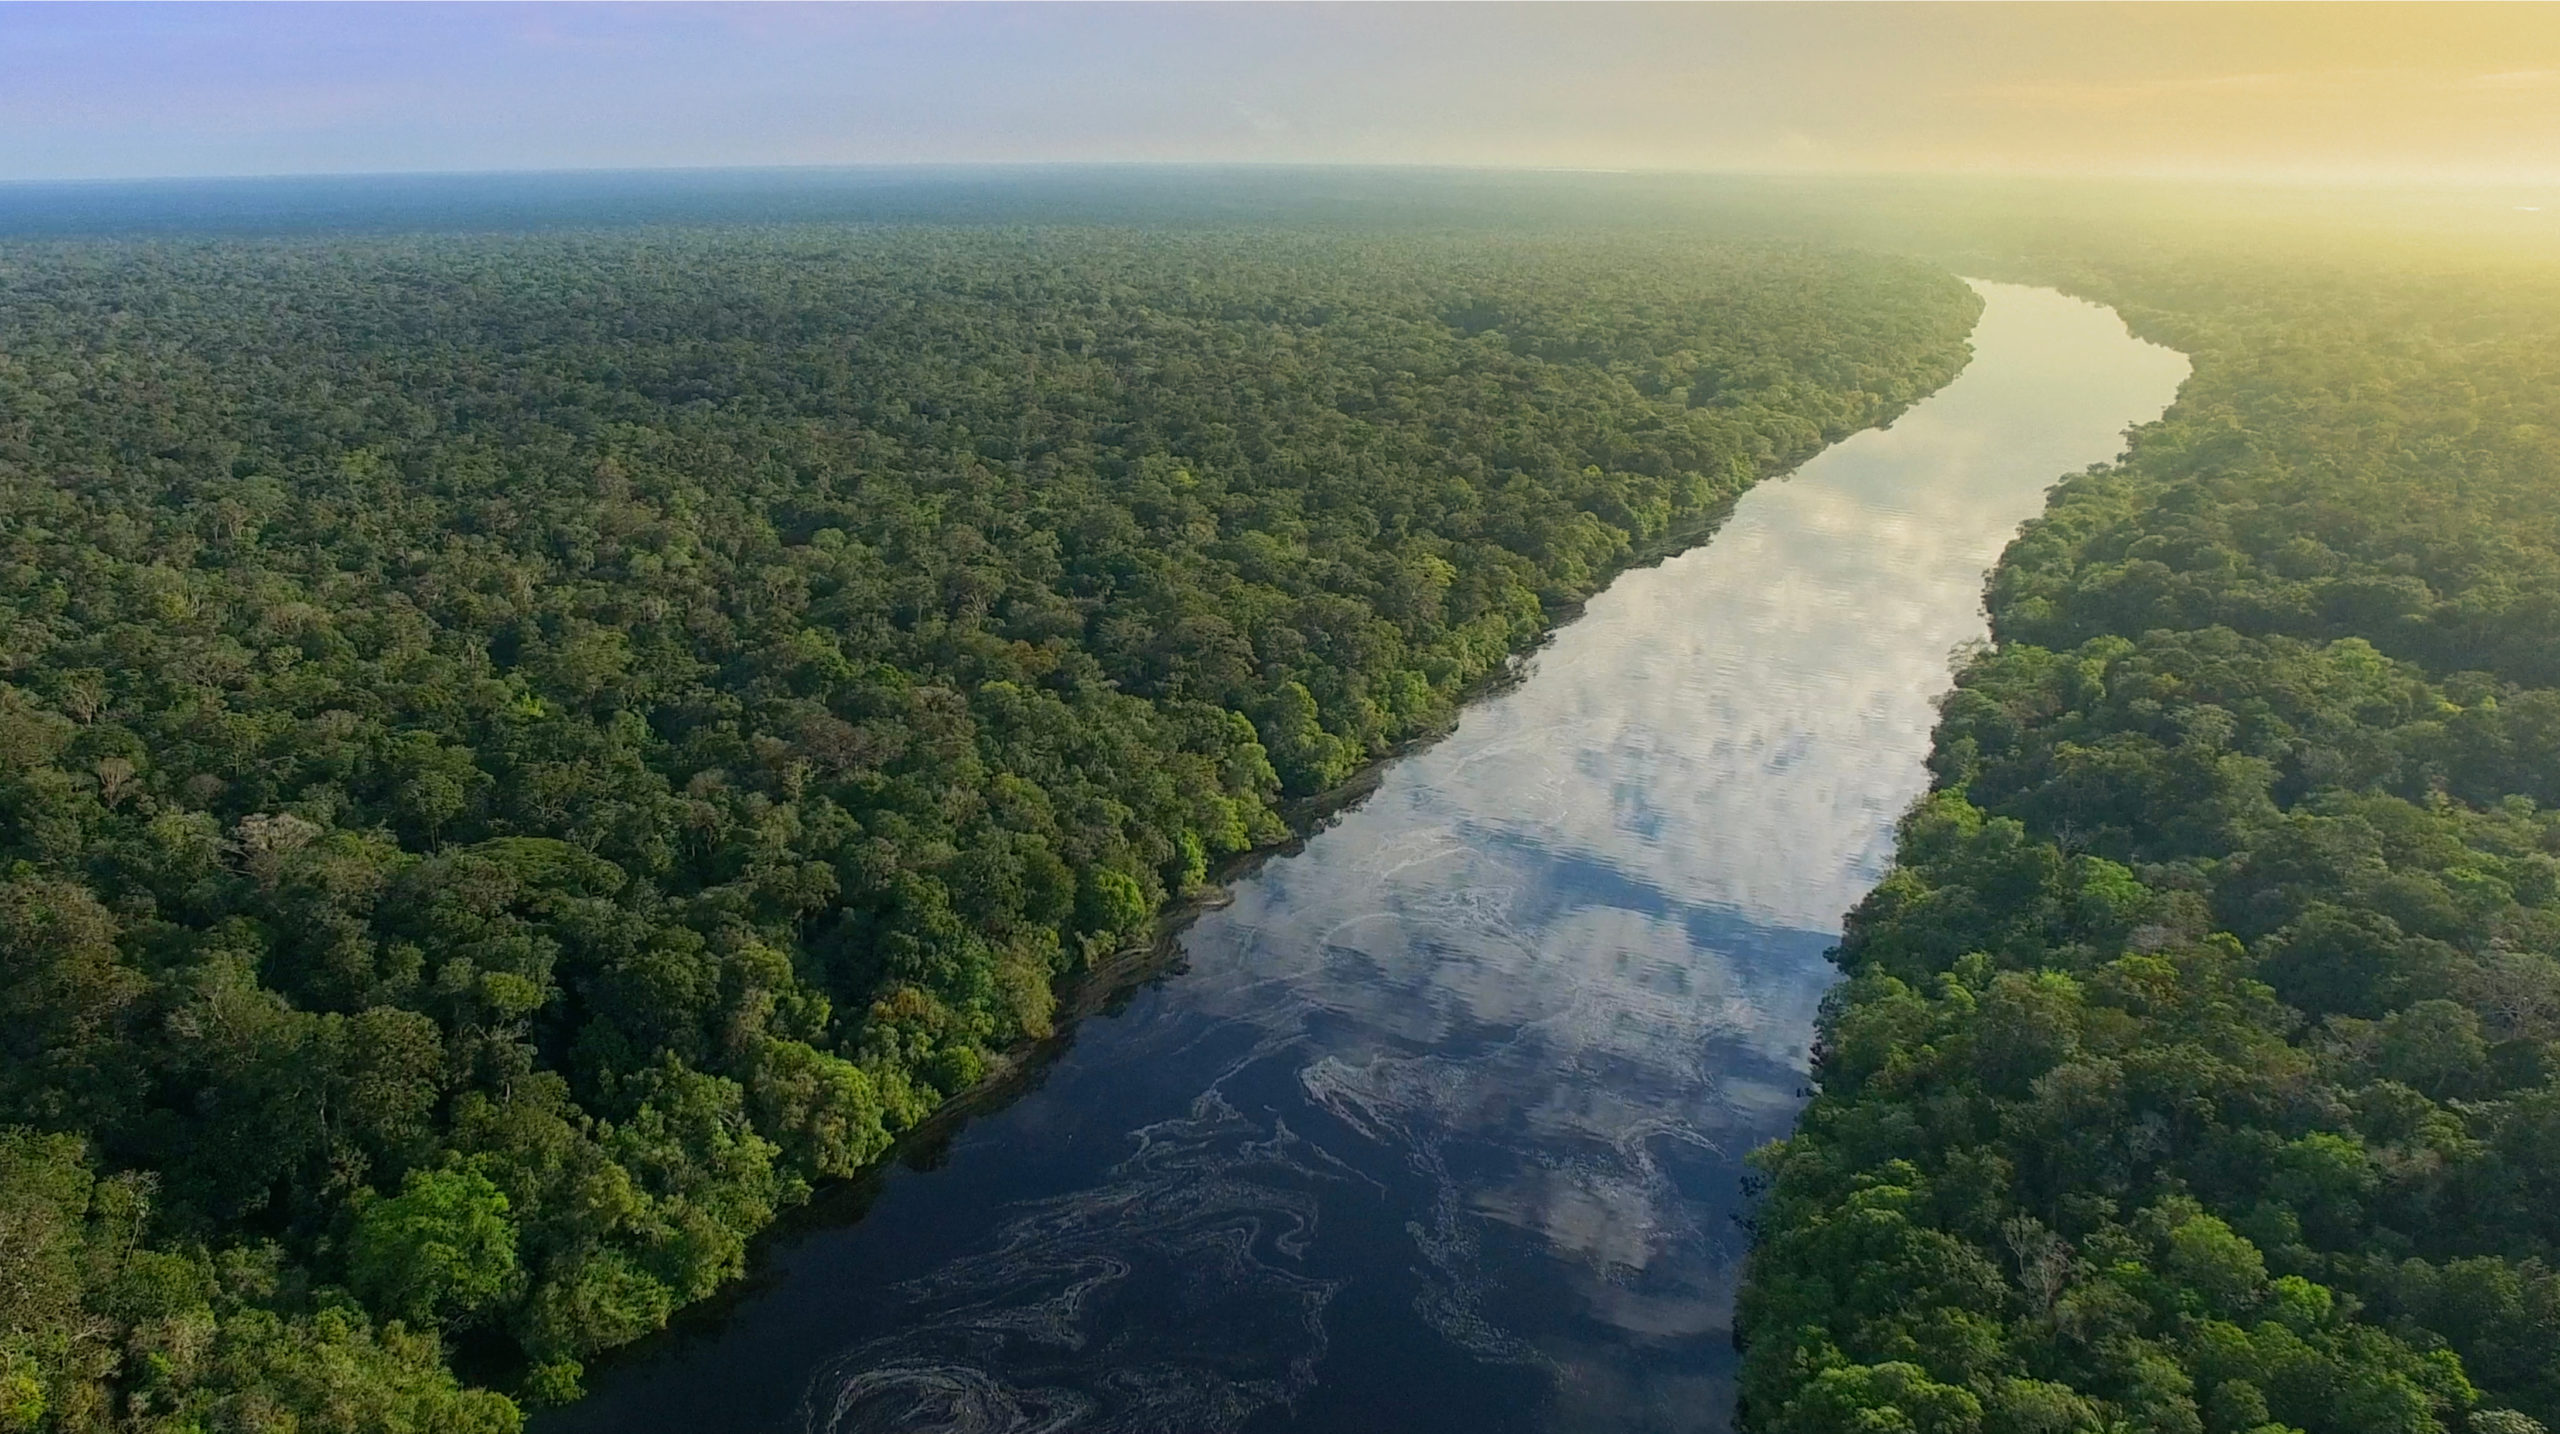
{"points": [[1442, 1128]]}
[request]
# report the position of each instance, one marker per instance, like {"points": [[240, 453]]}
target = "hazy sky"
{"points": [[2312, 91]]}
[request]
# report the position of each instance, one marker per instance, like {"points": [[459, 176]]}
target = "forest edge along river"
{"points": [[1441, 1125]]}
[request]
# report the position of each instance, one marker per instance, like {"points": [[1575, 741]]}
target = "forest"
{"points": [[2197, 1067], [521, 755]]}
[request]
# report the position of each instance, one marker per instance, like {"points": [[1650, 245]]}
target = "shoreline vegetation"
{"points": [[1101, 986], [520, 757], [2198, 1065]]}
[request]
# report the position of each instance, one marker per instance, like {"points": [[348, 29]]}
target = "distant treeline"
{"points": [[518, 756], [2199, 1065]]}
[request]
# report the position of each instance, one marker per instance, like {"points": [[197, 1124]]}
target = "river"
{"points": [[1440, 1125]]}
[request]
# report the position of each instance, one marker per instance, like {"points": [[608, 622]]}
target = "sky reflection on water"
{"points": [[1442, 1128]]}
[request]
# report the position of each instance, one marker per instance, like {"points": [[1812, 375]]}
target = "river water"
{"points": [[1441, 1125]]}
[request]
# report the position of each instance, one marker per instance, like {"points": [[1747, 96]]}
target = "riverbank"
{"points": [[1440, 1124], [2197, 1063], [1110, 982]]}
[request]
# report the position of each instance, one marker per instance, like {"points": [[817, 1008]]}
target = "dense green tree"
{"points": [[441, 1249]]}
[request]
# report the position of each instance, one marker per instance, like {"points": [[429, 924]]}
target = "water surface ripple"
{"points": [[1441, 1127]]}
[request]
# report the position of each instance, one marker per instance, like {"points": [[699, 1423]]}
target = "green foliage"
{"points": [[518, 755], [1894, 1398], [442, 1248], [101, 1329], [2210, 1018]]}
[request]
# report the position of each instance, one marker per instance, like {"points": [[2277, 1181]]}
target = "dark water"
{"points": [[1442, 1127]]}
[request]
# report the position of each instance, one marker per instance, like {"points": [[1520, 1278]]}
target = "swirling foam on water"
{"points": [[1036, 1333]]}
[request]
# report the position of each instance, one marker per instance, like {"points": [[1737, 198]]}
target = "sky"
{"points": [[2292, 91]]}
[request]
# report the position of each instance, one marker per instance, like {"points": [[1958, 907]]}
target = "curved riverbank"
{"points": [[1442, 1126]]}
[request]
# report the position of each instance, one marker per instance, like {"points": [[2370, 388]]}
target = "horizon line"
{"points": [[2287, 179]]}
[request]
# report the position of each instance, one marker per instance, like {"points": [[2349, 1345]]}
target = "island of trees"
{"points": [[2198, 1066], [521, 755]]}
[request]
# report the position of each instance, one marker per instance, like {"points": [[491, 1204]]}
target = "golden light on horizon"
{"points": [[2310, 91]]}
